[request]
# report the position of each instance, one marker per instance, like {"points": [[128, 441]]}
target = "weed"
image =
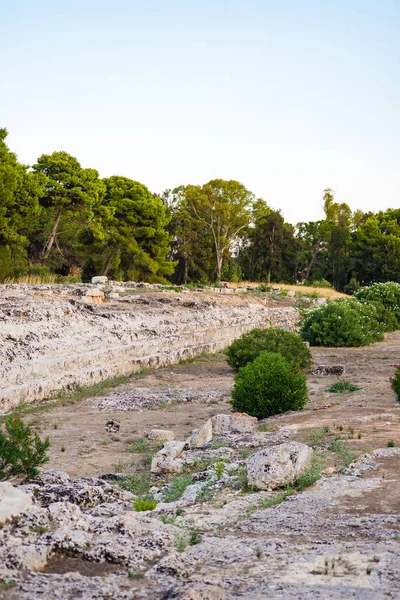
{"points": [[310, 476], [200, 465], [390, 444], [244, 453], [180, 543], [219, 468], [258, 553], [359, 436], [343, 387], [179, 512], [206, 493], [39, 529], [168, 519], [264, 427], [195, 537], [21, 451], [339, 447], [317, 435], [144, 503], [7, 584], [215, 444], [142, 445], [138, 484], [178, 485], [369, 569], [62, 448], [280, 497]]}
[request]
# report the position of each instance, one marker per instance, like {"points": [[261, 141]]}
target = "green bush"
{"points": [[346, 323], [395, 382], [269, 386], [321, 283], [387, 294], [145, 503], [248, 347], [21, 451]]}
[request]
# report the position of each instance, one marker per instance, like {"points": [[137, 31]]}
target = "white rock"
{"points": [[202, 436], [278, 465], [12, 501], [160, 435], [291, 293], [165, 460], [100, 279], [236, 423]]}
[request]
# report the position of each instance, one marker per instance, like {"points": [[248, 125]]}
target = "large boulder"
{"points": [[234, 423], [13, 502], [202, 436], [277, 466]]}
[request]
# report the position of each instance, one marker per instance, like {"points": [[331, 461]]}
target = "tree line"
{"points": [[57, 217]]}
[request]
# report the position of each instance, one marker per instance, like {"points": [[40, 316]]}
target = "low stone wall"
{"points": [[52, 339]]}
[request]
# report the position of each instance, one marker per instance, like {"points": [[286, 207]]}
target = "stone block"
{"points": [[277, 466]]}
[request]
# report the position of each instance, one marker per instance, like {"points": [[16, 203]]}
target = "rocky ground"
{"points": [[211, 535]]}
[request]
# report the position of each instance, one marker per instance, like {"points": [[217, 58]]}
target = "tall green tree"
{"points": [[224, 209], [128, 237], [20, 191], [70, 190]]}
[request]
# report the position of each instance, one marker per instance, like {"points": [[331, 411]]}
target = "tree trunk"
{"points": [[49, 244], [107, 265], [186, 270]]}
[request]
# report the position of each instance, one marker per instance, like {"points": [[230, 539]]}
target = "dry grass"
{"points": [[47, 279], [307, 289]]}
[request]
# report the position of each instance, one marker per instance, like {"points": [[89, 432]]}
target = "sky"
{"points": [[287, 96]]}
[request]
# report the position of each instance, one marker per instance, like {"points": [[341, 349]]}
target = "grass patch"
{"points": [[178, 485], [341, 449], [143, 446], [215, 444], [343, 387], [138, 484], [318, 434], [264, 427], [310, 476], [391, 444]]}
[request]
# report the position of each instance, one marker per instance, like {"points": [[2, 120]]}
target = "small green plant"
{"points": [[318, 434], [195, 537], [145, 503], [339, 447], [138, 484], [21, 451], [390, 444], [280, 497], [310, 476], [359, 436], [62, 448], [248, 347], [259, 554], [215, 444], [206, 493], [269, 386], [177, 486], [39, 529], [343, 387], [395, 381], [219, 468], [180, 543], [244, 453], [264, 427], [168, 519]]}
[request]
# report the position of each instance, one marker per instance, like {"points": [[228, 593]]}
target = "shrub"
{"points": [[387, 294], [342, 387], [345, 323], [321, 283], [395, 381], [21, 451], [145, 503], [248, 347], [268, 386], [352, 286]]}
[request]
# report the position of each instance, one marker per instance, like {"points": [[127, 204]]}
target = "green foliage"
{"points": [[177, 486], [339, 447], [310, 476], [321, 283], [387, 294], [21, 451], [391, 444], [343, 387], [352, 286], [195, 537], [395, 381], [136, 483], [248, 347], [346, 323], [269, 386], [145, 503]]}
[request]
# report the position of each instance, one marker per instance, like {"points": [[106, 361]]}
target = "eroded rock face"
{"points": [[279, 465], [56, 337], [236, 423]]}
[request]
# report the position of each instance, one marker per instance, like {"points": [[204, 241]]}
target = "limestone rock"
{"points": [[112, 426], [13, 501], [202, 436], [276, 466], [100, 279], [329, 370], [165, 460], [235, 423], [161, 435]]}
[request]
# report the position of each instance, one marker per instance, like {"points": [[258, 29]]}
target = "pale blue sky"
{"points": [[287, 96]]}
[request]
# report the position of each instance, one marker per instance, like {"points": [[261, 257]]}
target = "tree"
{"points": [[222, 207], [20, 191], [128, 236], [69, 190]]}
